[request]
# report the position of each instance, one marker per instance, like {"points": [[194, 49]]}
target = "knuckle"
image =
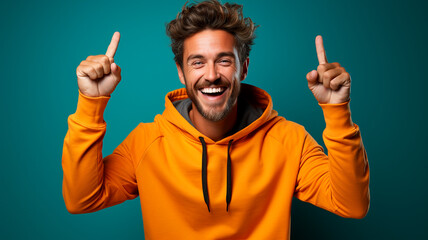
{"points": [[330, 65], [327, 75], [97, 65], [80, 69], [90, 72], [90, 69], [348, 76], [105, 59], [83, 63], [99, 58], [321, 68]]}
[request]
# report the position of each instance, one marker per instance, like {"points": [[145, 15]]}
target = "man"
{"points": [[219, 163]]}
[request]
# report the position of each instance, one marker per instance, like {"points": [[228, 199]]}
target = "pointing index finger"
{"points": [[322, 58], [111, 50]]}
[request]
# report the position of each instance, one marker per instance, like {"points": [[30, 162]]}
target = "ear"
{"points": [[245, 69], [180, 73]]}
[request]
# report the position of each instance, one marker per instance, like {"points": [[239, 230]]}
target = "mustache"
{"points": [[216, 83]]}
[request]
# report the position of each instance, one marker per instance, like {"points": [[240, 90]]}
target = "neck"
{"points": [[214, 130]]}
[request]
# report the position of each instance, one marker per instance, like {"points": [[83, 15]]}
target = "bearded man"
{"points": [[219, 163]]}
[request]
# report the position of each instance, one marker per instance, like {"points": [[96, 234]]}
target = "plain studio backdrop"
{"points": [[382, 44]]}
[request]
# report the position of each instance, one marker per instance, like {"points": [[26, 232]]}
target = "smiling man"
{"points": [[212, 74], [219, 163]]}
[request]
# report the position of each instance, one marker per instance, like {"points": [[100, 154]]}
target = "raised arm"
{"points": [[91, 183], [338, 182]]}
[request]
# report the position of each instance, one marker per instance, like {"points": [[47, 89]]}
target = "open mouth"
{"points": [[213, 91]]}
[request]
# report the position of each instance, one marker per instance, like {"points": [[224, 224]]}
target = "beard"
{"points": [[214, 112]]}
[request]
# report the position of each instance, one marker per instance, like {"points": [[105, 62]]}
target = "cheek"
{"points": [[194, 74], [234, 72], [230, 73]]}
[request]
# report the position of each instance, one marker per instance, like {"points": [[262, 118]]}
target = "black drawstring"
{"points": [[204, 175], [229, 177]]}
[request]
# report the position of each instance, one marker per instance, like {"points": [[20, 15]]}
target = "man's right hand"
{"points": [[99, 75]]}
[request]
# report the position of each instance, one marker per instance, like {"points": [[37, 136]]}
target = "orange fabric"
{"points": [[273, 159]]}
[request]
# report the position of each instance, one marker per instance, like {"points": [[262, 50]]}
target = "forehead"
{"points": [[209, 42]]}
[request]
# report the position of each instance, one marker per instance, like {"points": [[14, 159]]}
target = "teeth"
{"points": [[211, 90]]}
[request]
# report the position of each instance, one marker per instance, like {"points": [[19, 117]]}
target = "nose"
{"points": [[211, 73]]}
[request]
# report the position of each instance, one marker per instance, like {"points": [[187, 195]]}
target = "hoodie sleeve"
{"points": [[91, 182], [338, 182]]}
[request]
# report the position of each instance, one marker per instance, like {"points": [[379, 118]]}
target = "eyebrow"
{"points": [[222, 54]]}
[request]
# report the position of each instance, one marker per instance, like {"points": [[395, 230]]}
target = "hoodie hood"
{"points": [[252, 95], [256, 97]]}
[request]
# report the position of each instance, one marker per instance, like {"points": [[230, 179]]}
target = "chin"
{"points": [[212, 114]]}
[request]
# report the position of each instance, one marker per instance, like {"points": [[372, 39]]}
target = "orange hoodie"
{"points": [[192, 187]]}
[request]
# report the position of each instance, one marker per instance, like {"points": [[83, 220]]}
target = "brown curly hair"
{"points": [[211, 14]]}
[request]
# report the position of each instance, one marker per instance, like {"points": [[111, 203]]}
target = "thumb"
{"points": [[115, 69], [312, 77]]}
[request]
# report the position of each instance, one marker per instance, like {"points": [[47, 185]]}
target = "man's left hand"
{"points": [[330, 83]]}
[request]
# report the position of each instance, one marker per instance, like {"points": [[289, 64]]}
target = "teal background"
{"points": [[383, 44]]}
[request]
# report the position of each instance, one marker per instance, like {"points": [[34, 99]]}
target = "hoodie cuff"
{"points": [[337, 118], [91, 109]]}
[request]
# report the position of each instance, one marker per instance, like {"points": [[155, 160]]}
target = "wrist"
{"points": [[337, 117], [91, 109]]}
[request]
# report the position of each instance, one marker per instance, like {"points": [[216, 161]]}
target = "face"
{"points": [[212, 72]]}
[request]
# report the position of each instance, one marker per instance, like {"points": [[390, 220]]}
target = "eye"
{"points": [[225, 62], [197, 64]]}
